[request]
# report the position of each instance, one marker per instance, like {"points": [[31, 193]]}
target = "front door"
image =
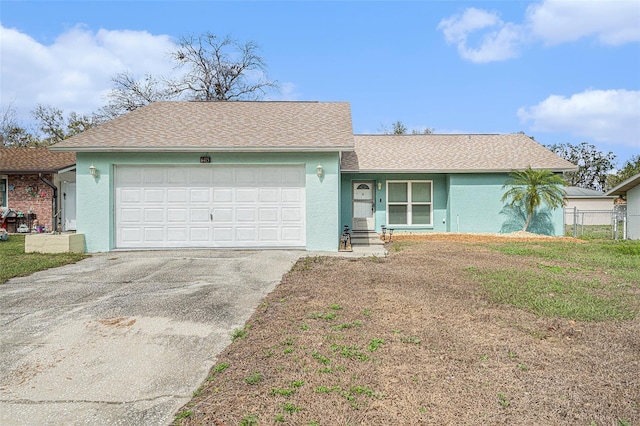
{"points": [[364, 206], [69, 206]]}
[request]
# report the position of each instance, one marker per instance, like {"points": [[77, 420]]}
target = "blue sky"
{"points": [[561, 71]]}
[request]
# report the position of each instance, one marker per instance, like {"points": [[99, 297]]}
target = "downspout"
{"points": [[54, 202]]}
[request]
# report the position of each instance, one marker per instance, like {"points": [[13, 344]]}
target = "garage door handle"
{"points": [[211, 217]]}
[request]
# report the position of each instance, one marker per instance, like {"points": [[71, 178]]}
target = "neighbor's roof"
{"points": [[450, 153], [577, 192], [222, 126], [623, 187], [34, 160]]}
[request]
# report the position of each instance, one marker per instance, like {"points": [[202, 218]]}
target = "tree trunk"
{"points": [[526, 223]]}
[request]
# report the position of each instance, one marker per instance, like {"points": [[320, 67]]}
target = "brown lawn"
{"points": [[412, 339]]}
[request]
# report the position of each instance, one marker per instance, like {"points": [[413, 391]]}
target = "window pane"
{"points": [[420, 214], [398, 192], [421, 192], [397, 215]]}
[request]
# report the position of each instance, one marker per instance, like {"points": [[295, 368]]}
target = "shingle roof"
{"points": [[219, 126], [577, 192], [622, 188], [450, 153], [34, 160]]}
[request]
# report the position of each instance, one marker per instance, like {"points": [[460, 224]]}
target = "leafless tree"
{"points": [[220, 69], [129, 94]]}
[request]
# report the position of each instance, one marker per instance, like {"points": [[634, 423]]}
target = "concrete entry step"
{"points": [[366, 238]]}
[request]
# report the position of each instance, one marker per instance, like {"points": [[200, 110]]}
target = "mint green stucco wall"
{"points": [[439, 202], [96, 202], [475, 206], [468, 202]]}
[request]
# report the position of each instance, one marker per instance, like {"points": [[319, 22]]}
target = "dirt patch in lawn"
{"points": [[411, 339]]}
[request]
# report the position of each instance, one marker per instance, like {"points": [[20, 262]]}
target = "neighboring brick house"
{"points": [[23, 187]]}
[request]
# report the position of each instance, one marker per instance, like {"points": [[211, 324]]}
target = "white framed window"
{"points": [[409, 202]]}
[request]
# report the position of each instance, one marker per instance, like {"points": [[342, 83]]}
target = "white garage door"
{"points": [[210, 206]]}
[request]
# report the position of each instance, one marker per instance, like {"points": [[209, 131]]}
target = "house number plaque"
{"points": [[206, 159]]}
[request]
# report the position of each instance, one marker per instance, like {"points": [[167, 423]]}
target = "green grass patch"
{"points": [[254, 378], [595, 281], [553, 296], [14, 262], [619, 259], [347, 325], [282, 391], [350, 352], [374, 344]]}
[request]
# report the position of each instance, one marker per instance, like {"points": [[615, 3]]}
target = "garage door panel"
{"points": [[246, 195], [130, 176], [199, 215], [154, 176], [291, 214], [244, 235], [292, 177], [268, 235], [223, 176], [291, 233], [270, 177], [177, 215], [291, 195], [177, 234], [269, 195], [128, 195], [200, 196], [131, 215], [223, 234], [245, 214], [177, 195], [223, 215], [152, 215], [154, 195], [131, 234], [199, 234], [154, 234], [210, 206], [268, 214], [222, 195], [178, 177], [245, 176]]}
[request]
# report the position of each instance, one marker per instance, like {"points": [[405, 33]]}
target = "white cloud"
{"points": [[610, 116], [560, 21], [551, 22], [499, 42], [74, 72]]}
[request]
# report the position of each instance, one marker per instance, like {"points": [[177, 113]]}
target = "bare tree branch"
{"points": [[220, 69]]}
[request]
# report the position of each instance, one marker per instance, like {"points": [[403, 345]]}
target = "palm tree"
{"points": [[532, 188]]}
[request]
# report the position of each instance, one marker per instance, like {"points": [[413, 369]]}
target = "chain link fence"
{"points": [[597, 224]]}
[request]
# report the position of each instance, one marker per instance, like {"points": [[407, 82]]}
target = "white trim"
{"points": [[409, 203], [67, 169]]}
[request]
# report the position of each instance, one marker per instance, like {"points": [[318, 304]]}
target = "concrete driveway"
{"points": [[124, 337]]}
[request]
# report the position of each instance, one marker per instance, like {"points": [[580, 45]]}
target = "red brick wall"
{"points": [[21, 201]]}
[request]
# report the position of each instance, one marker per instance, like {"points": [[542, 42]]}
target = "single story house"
{"points": [[37, 184], [630, 190], [587, 207], [286, 174]]}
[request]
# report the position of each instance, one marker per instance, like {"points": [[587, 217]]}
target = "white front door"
{"points": [[364, 206], [69, 206], [210, 206]]}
